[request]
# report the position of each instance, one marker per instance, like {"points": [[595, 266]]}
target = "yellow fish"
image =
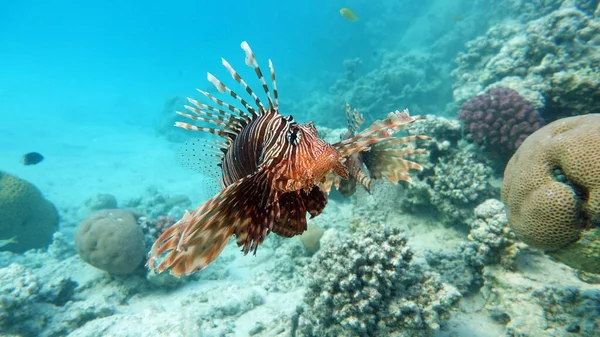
{"points": [[8, 241], [348, 14]]}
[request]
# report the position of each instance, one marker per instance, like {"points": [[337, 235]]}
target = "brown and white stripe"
{"points": [[272, 171]]}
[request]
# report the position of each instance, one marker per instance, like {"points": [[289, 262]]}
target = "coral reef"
{"points": [[155, 204], [285, 270], [30, 307], [550, 188], [489, 227], [552, 61], [541, 298], [492, 242], [19, 288], [499, 121], [527, 10], [454, 179], [444, 135], [459, 182], [462, 268], [153, 228], [573, 309], [367, 286], [582, 254], [25, 214], [61, 247], [401, 80], [111, 240], [101, 201]]}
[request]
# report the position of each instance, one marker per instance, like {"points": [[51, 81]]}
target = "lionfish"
{"points": [[274, 172], [384, 158]]}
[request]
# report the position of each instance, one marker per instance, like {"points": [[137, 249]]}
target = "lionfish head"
{"points": [[309, 157]]}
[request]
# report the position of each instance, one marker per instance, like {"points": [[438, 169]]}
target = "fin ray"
{"points": [[200, 236]]}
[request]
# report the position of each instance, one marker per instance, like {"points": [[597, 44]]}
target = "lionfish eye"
{"points": [[293, 134]]}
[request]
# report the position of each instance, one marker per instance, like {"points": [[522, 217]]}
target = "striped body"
{"points": [[274, 172]]}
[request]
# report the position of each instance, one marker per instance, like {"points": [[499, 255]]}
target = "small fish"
{"points": [[348, 14], [32, 158], [8, 241]]}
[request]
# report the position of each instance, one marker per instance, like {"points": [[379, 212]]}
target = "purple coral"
{"points": [[499, 120]]}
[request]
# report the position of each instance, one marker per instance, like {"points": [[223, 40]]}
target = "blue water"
{"points": [[117, 62]]}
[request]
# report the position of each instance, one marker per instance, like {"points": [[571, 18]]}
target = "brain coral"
{"points": [[111, 240], [25, 214], [499, 120], [552, 183]]}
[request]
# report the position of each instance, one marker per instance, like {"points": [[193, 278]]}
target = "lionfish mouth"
{"points": [[275, 172]]}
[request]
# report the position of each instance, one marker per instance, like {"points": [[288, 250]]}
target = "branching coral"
{"points": [[454, 180], [489, 227], [462, 268], [367, 286], [458, 183], [491, 243], [402, 80], [574, 309]]}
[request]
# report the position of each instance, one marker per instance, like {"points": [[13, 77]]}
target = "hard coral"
{"points": [[489, 227], [551, 187], [111, 240], [499, 120], [553, 61], [367, 286], [459, 183], [25, 214], [574, 309], [454, 184], [407, 80], [583, 254], [18, 289]]}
